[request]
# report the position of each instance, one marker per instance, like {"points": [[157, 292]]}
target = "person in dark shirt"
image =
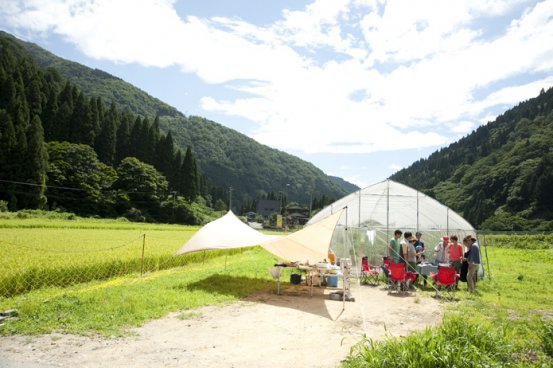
{"points": [[419, 247], [473, 259]]}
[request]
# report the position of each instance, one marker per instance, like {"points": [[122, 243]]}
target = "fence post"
{"points": [[143, 246]]}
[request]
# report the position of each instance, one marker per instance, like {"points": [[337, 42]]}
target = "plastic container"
{"points": [[332, 281]]}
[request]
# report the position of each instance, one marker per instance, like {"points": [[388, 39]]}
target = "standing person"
{"points": [[411, 254], [404, 245], [442, 254], [455, 253], [393, 248], [419, 247], [473, 259]]}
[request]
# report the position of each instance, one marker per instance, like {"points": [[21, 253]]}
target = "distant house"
{"points": [[298, 215], [267, 206]]}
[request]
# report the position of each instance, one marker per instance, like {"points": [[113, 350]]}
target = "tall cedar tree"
{"points": [[191, 183], [106, 140], [34, 170], [123, 140]]}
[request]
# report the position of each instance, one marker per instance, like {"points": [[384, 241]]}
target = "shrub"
{"points": [[456, 343], [546, 337]]}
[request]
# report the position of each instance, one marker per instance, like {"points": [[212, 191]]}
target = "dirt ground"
{"points": [[264, 330]]}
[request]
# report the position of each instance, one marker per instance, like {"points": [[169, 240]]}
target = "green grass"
{"points": [[111, 307], [509, 323]]}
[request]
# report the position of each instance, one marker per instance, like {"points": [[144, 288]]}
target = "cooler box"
{"points": [[332, 281]]}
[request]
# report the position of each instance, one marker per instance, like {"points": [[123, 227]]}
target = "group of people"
{"points": [[410, 251]]}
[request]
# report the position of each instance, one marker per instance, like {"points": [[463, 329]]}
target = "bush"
{"points": [[135, 215], [546, 337], [3, 206], [456, 343]]}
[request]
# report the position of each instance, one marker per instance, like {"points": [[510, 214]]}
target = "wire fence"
{"points": [[26, 266]]}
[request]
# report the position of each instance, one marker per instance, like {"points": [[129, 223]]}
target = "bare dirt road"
{"points": [[264, 330]]}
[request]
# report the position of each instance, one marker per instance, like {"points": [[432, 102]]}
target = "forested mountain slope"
{"points": [[227, 158], [500, 176]]}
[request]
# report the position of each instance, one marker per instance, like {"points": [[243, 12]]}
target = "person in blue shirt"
{"points": [[473, 259]]}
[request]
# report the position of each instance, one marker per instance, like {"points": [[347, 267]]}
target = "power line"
{"points": [[113, 191]]}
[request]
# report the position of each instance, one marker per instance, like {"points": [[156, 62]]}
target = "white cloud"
{"points": [[462, 127], [416, 67], [395, 167]]}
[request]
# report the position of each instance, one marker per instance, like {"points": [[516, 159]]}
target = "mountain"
{"points": [[346, 185], [499, 177], [226, 157]]}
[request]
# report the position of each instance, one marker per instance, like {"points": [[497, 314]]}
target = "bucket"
{"points": [[332, 281]]}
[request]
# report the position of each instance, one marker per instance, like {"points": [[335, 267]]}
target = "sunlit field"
{"points": [[40, 252]]}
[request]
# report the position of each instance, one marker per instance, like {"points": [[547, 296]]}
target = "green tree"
{"points": [[107, 139], [77, 180], [123, 139], [34, 170], [142, 183], [8, 167], [190, 178]]}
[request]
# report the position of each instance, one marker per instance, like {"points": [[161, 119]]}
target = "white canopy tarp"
{"points": [[224, 233], [307, 245]]}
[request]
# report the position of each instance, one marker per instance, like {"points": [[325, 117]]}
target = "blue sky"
{"points": [[360, 88]]}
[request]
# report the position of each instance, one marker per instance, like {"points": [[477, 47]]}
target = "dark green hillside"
{"points": [[226, 157], [501, 175], [97, 83], [232, 159], [346, 185]]}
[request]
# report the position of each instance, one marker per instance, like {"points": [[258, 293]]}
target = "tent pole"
{"points": [[359, 218], [447, 222], [417, 211], [344, 277], [388, 251], [485, 251]]}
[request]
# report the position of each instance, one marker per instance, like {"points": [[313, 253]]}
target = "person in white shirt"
{"points": [[442, 251]]}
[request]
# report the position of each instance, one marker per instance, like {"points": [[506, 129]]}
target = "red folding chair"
{"points": [[446, 279], [397, 278], [370, 274]]}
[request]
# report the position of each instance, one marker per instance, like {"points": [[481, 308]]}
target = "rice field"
{"points": [[40, 252]]}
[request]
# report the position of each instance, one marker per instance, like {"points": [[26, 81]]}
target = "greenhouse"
{"points": [[373, 213]]}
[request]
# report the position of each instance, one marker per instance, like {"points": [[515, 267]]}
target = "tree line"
{"points": [[500, 176], [60, 149]]}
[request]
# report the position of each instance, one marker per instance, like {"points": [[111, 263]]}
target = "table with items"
{"points": [[319, 274]]}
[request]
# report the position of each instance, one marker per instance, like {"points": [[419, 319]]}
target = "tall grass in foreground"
{"points": [[456, 343], [509, 323]]}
